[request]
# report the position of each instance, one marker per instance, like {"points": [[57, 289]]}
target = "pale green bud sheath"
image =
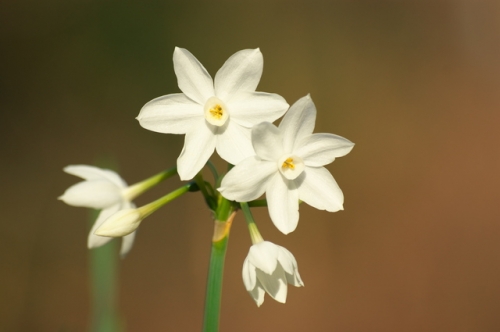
{"points": [[139, 188], [252, 226], [126, 221]]}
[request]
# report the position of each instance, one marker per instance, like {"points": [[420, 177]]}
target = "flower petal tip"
{"points": [[93, 244], [287, 230], [259, 302]]}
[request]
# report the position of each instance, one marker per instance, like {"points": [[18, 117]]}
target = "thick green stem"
{"points": [[224, 217], [103, 285]]}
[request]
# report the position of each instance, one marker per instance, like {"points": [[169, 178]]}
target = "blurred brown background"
{"points": [[415, 84]]}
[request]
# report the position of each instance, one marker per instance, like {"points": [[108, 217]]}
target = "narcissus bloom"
{"points": [[270, 268], [214, 115], [288, 167], [105, 190]]}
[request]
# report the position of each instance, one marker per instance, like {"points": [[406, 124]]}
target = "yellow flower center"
{"points": [[291, 166], [288, 163], [216, 112]]}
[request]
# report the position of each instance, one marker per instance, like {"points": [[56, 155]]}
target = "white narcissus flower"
{"points": [[102, 189], [214, 115], [288, 167], [269, 268]]}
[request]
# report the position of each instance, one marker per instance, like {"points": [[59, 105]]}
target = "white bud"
{"points": [[121, 223]]}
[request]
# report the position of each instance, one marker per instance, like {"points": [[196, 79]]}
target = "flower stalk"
{"points": [[202, 185], [137, 189], [224, 216], [252, 226], [147, 209], [103, 264], [126, 221], [228, 116]]}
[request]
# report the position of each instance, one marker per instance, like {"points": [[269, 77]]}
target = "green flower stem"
{"points": [[258, 203], [224, 216], [252, 226], [213, 169], [147, 209], [104, 287], [209, 199], [136, 189]]}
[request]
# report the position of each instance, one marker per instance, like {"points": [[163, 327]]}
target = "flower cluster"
{"points": [[228, 115]]}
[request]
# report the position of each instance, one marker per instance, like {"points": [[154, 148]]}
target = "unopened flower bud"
{"points": [[121, 223]]}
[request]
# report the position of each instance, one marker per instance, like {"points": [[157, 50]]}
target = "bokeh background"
{"points": [[415, 84]]}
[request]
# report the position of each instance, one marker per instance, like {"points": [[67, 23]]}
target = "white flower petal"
{"points": [[289, 264], [269, 267], [172, 114], [264, 256], [294, 279], [320, 190], [322, 149], [247, 180], [199, 144], [234, 143], [283, 202], [267, 141], [249, 276], [97, 194], [298, 122], [94, 241], [251, 108], [275, 284], [127, 243], [192, 78], [95, 173], [258, 294], [286, 259], [240, 73]]}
